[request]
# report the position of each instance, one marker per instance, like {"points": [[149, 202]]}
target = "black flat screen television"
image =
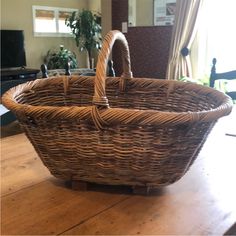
{"points": [[12, 49]]}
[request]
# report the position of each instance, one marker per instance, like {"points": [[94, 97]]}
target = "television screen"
{"points": [[12, 49]]}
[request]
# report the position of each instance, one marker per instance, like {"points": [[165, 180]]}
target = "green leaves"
{"points": [[58, 59], [86, 28]]}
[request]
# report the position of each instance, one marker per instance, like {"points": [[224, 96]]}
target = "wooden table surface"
{"points": [[203, 202]]}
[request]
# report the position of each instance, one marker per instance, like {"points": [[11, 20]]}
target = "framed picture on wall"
{"points": [[164, 12]]}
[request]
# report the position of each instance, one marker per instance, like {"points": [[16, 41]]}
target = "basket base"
{"points": [[79, 185], [141, 190]]}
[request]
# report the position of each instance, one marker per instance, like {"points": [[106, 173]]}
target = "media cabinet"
{"points": [[11, 78]]}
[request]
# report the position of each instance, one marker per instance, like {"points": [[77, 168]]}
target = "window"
{"points": [[50, 21], [216, 38]]}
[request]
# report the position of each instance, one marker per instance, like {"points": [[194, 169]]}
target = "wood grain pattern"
{"points": [[50, 208], [201, 203], [21, 146], [26, 165]]}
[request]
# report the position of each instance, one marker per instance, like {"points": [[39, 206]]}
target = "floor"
{"points": [[11, 129], [201, 203]]}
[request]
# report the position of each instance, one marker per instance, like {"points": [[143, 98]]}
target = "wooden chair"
{"points": [[229, 75]]}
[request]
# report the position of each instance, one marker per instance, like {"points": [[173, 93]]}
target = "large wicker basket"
{"points": [[118, 131]]}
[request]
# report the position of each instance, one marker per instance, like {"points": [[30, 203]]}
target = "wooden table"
{"points": [[202, 202]]}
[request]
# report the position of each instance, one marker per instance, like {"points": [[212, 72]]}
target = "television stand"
{"points": [[19, 73], [11, 78]]}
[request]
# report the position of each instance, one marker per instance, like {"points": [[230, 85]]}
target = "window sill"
{"points": [[65, 35]]}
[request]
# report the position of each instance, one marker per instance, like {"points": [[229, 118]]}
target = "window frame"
{"points": [[56, 11]]}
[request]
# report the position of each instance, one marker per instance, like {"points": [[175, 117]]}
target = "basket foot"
{"points": [[142, 190], [79, 185]]}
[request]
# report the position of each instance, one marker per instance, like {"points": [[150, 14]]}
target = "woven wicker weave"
{"points": [[129, 131]]}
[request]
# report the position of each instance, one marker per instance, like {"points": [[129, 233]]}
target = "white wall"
{"points": [[94, 5], [106, 16]]}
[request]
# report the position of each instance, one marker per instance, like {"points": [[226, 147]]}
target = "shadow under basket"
{"points": [[116, 130]]}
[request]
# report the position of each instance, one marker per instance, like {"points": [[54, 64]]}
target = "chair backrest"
{"points": [[229, 75]]}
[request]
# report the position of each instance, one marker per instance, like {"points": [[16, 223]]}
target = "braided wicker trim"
{"points": [[99, 92], [114, 116]]}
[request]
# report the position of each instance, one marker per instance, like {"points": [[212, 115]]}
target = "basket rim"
{"points": [[125, 115]]}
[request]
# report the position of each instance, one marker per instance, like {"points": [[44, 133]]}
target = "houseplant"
{"points": [[86, 28], [58, 59]]}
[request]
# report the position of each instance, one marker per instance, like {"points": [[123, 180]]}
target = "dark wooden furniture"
{"points": [[83, 72], [149, 46], [229, 75], [231, 230], [22, 73], [11, 78]]}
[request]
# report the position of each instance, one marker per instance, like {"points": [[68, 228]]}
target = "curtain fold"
{"points": [[184, 31]]}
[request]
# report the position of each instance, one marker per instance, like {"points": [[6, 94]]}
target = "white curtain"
{"points": [[216, 38], [184, 31]]}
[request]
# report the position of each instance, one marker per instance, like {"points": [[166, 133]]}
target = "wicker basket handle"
{"points": [[99, 97]]}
